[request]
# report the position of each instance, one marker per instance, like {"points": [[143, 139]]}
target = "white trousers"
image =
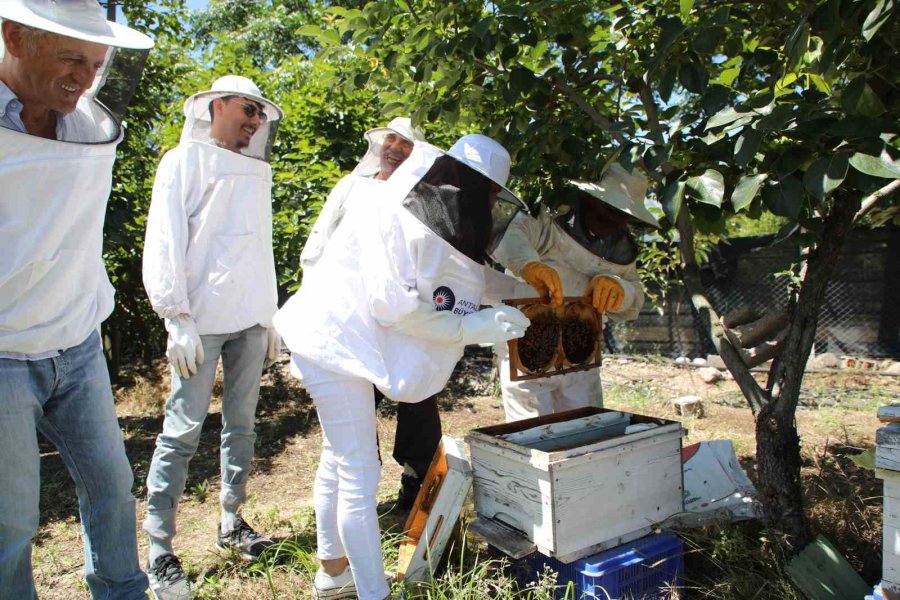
{"points": [[348, 475], [546, 395]]}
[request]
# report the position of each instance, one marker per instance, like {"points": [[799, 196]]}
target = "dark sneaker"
{"points": [[167, 579], [243, 539], [409, 489]]}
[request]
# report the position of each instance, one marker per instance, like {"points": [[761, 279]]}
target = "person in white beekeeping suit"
{"points": [[57, 148], [393, 302], [209, 271], [388, 147], [587, 250], [418, 431]]}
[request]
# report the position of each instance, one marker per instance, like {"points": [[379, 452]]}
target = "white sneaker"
{"points": [[333, 587]]}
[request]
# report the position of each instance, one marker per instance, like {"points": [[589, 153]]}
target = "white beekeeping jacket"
{"points": [[382, 265], [208, 250], [54, 290], [349, 189], [528, 239]]}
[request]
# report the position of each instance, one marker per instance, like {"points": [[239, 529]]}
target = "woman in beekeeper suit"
{"points": [[394, 300], [57, 148], [586, 248]]}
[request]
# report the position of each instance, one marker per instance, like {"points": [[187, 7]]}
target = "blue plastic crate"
{"points": [[640, 570]]}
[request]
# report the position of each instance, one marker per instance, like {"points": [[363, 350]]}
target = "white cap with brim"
{"points": [[402, 126], [370, 163], [78, 19], [230, 85], [488, 158], [622, 191]]}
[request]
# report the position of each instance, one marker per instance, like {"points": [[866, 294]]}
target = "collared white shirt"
{"points": [[11, 114]]}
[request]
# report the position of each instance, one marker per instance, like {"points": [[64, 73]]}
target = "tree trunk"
{"points": [[778, 469], [777, 442]]}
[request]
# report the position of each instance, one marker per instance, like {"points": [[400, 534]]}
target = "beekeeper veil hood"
{"points": [[371, 161], [457, 199], [198, 114], [99, 112]]}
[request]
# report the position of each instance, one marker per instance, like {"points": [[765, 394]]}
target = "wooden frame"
{"points": [[518, 372], [435, 512]]}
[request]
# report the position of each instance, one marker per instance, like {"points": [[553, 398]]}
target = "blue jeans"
{"points": [[243, 355], [68, 398]]}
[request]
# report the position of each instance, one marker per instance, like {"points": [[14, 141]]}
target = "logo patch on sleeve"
{"points": [[444, 299]]}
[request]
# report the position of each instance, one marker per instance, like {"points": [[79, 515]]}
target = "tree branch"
{"points": [[870, 201], [787, 372], [711, 325]]}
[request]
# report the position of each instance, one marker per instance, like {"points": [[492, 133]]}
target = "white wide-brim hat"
{"points": [[488, 158], [402, 126], [621, 190], [78, 19], [230, 85]]}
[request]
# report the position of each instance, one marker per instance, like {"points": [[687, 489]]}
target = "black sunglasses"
{"points": [[252, 110]]}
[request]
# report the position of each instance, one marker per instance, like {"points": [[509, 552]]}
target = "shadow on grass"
{"points": [[284, 412]]}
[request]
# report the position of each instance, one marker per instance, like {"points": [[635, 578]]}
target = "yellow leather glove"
{"points": [[605, 293], [545, 280]]}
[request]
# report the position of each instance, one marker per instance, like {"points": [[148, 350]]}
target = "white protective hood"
{"points": [[54, 290], [381, 265], [197, 121], [370, 163]]}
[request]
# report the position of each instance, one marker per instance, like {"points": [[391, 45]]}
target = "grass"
{"points": [[730, 562]]}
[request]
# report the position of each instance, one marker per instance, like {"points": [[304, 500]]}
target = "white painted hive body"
{"points": [[887, 468], [575, 483]]}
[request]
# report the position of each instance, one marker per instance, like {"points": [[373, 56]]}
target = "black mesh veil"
{"points": [[454, 201]]}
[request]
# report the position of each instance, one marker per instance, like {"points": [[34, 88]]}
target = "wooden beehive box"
{"points": [[574, 483], [887, 468], [558, 360], [435, 512]]}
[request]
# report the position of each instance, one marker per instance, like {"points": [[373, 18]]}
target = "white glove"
{"points": [[443, 327], [493, 325], [274, 347], [184, 348]]}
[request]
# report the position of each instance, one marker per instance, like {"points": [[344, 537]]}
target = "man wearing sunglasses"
{"points": [[210, 273]]}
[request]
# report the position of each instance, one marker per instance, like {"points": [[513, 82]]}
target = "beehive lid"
{"points": [[565, 434]]}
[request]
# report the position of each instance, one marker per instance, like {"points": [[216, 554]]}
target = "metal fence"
{"points": [[859, 316]]}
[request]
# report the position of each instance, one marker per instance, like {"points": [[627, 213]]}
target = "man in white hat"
{"points": [[418, 430], [586, 251], [209, 271], [57, 148], [388, 147]]}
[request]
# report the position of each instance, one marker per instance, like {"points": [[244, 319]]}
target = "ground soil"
{"points": [[837, 420]]}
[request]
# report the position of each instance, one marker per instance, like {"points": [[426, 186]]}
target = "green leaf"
{"points": [[785, 197], [708, 188], [797, 45], [693, 77], [876, 166], [727, 76], [878, 17], [746, 146], [686, 6], [826, 174], [672, 198], [707, 40], [746, 190], [724, 117], [672, 29], [667, 82], [859, 98], [715, 98], [777, 119]]}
